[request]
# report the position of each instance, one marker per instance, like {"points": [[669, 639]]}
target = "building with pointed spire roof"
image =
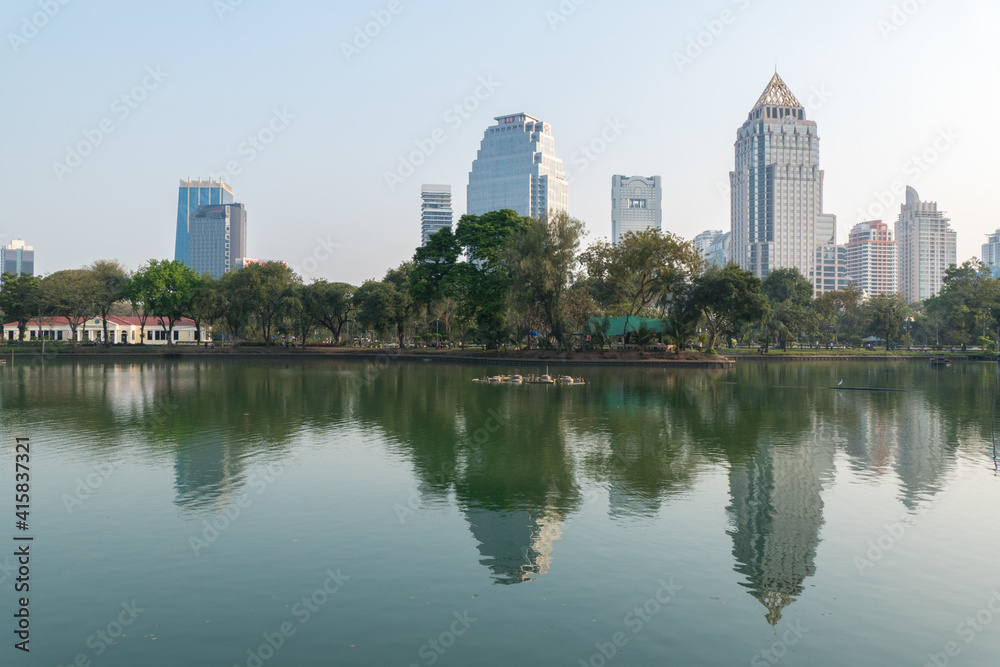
{"points": [[777, 187]]}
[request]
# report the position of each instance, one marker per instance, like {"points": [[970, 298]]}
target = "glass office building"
{"points": [[193, 194], [777, 186], [18, 258], [517, 168], [218, 239]]}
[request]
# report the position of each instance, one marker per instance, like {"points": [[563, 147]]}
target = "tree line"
{"points": [[502, 279]]}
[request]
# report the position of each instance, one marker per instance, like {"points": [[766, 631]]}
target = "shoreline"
{"points": [[477, 358]]}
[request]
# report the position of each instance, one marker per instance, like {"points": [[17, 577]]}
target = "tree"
{"points": [[727, 296], [540, 261], [434, 268], [790, 294], [238, 292], [171, 288], [111, 278], [272, 282], [207, 303], [482, 283], [137, 292], [642, 268], [18, 299], [332, 305], [886, 314], [72, 294], [683, 315], [404, 307], [379, 305], [834, 310], [300, 311]]}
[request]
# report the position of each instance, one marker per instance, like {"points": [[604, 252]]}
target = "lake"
{"points": [[234, 512]]}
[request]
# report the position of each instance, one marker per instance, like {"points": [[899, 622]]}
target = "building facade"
{"points": [[636, 204], [435, 210], [121, 331], [17, 258], [991, 253], [927, 247], [193, 195], [776, 186], [517, 168], [218, 238], [871, 258]]}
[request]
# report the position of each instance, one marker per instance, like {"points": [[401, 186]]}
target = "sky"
{"points": [[306, 108]]}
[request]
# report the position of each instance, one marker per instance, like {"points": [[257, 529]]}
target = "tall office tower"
{"points": [[991, 253], [871, 258], [17, 258], [927, 247], [636, 205], [517, 168], [218, 239], [777, 186], [195, 193], [435, 210]]}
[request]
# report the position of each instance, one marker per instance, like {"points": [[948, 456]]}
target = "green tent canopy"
{"points": [[617, 327]]}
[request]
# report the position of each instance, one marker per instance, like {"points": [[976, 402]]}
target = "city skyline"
{"points": [[136, 128]]}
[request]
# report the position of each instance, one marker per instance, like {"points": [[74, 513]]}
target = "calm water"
{"points": [[379, 514]]}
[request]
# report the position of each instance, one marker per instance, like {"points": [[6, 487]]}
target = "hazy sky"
{"points": [[109, 104]]}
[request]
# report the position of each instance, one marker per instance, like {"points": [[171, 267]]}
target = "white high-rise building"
{"points": [[517, 168], [636, 205], [871, 258], [435, 210], [927, 248], [777, 186], [991, 253]]}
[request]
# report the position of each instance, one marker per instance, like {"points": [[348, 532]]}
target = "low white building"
{"points": [[121, 331]]}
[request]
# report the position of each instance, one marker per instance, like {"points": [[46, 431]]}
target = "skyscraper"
{"points": [[218, 239], [777, 186], [435, 210], [517, 168], [195, 193], [991, 253], [704, 242], [830, 272], [927, 247], [636, 205], [17, 258], [871, 258]]}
